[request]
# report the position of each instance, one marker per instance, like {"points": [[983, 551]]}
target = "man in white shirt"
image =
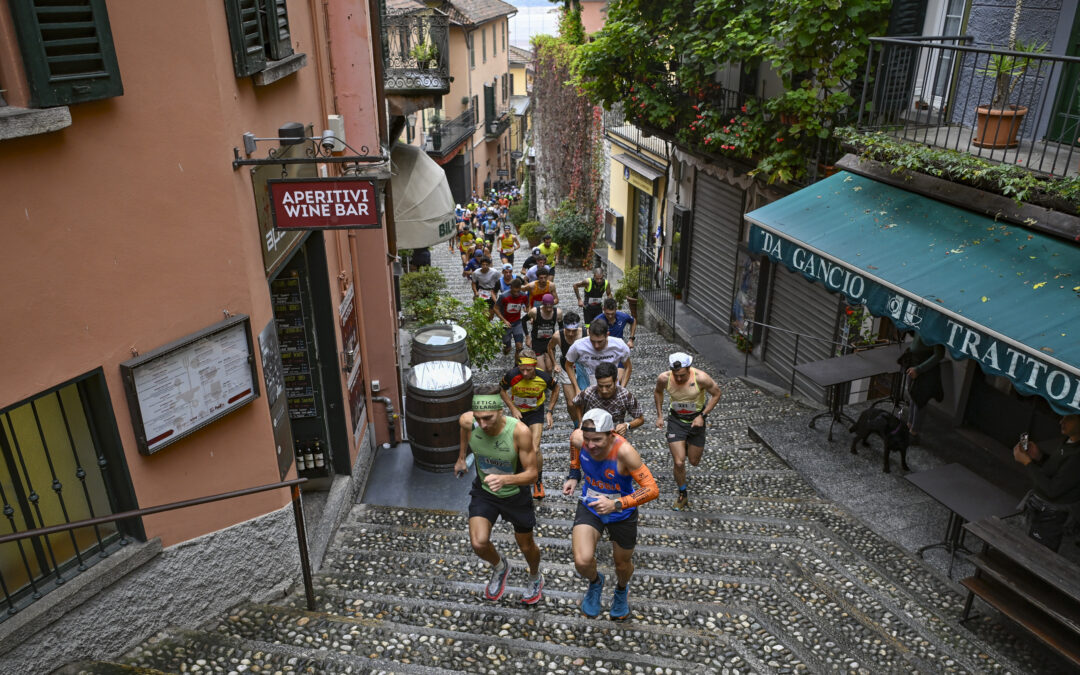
{"points": [[598, 348]]}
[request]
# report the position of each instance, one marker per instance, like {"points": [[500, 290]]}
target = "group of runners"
{"points": [[604, 465]]}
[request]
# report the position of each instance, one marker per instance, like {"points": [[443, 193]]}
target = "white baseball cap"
{"points": [[601, 420], [680, 360]]}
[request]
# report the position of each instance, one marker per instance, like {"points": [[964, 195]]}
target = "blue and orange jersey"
{"points": [[602, 477]]}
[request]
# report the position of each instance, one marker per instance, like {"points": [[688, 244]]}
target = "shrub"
{"points": [[425, 300], [571, 229], [519, 213], [531, 229], [629, 285]]}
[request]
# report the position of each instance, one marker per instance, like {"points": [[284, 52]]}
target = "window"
{"points": [[504, 90], [505, 30], [483, 44], [259, 32], [472, 50], [67, 50], [511, 84], [494, 44]]}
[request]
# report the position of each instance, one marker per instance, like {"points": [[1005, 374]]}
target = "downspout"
{"points": [[391, 417]]}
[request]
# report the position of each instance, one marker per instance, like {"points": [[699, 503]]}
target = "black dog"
{"points": [[893, 432]]}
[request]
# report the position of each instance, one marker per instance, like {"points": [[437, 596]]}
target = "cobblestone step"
{"points": [[761, 587], [424, 633], [105, 668], [189, 651]]}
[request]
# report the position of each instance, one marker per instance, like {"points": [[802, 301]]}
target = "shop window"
{"points": [[259, 33], [67, 51]]}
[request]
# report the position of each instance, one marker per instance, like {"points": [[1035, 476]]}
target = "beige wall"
{"points": [[593, 14], [522, 80], [621, 198], [494, 154], [130, 229]]}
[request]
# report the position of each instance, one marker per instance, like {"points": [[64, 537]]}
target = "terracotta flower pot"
{"points": [[997, 128]]}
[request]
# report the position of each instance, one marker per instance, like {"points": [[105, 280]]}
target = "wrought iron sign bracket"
{"points": [[319, 150]]}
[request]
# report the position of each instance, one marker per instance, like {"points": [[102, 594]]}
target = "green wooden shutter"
{"points": [[276, 20], [68, 51], [246, 35]]}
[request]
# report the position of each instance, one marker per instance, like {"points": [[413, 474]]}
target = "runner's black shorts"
{"points": [[540, 345], [534, 416], [515, 509], [678, 430], [622, 532]]}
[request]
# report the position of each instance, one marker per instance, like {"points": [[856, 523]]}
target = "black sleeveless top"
{"points": [[544, 329]]}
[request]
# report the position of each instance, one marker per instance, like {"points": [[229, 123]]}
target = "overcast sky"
{"points": [[534, 17]]}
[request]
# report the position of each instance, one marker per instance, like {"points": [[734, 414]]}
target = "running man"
{"points": [[485, 284], [608, 502], [508, 244], [550, 251], [606, 394], [596, 287], [617, 322], [686, 418], [505, 462], [545, 321], [597, 349], [567, 336], [525, 391], [511, 307]]}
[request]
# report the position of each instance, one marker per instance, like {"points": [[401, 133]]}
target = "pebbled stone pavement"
{"points": [[765, 575]]}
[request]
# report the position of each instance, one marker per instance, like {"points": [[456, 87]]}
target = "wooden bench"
{"points": [[1027, 582]]}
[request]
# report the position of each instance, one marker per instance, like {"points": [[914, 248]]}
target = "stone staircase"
{"points": [[762, 576]]}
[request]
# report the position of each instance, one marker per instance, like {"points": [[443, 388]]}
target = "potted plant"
{"points": [[426, 55], [628, 286], [998, 123], [533, 232]]}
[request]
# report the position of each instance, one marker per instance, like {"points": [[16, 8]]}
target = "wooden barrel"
{"points": [[440, 342], [437, 393]]}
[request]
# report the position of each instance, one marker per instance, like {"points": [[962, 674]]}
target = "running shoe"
{"points": [[590, 604], [538, 490], [620, 605], [497, 586], [533, 590], [682, 502]]}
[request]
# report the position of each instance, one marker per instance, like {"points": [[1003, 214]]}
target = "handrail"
{"points": [[298, 517]]}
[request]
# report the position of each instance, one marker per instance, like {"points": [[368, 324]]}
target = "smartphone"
{"points": [[1024, 442]]}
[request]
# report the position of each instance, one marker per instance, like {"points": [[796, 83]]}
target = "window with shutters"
{"points": [[494, 44], [472, 50], [261, 43], [483, 44], [67, 51]]}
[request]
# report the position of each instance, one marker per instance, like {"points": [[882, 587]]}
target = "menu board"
{"points": [[189, 383], [293, 342]]}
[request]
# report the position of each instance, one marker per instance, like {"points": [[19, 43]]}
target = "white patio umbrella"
{"points": [[423, 205]]}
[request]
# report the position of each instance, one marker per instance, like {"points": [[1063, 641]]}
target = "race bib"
{"points": [[544, 333], [594, 301], [526, 402], [591, 495], [484, 293], [491, 468], [515, 307], [684, 407]]}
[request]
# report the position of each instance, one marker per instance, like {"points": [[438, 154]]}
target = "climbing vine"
{"points": [[569, 132]]}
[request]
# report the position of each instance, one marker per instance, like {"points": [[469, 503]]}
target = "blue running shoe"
{"points": [[590, 604], [620, 605]]}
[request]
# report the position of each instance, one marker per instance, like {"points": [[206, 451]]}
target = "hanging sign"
{"points": [[323, 204]]}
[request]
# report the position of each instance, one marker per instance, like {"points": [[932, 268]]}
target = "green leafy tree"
{"points": [[661, 60]]}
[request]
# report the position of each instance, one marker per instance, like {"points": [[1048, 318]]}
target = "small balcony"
{"points": [[444, 137], [495, 125], [1013, 107], [416, 50]]}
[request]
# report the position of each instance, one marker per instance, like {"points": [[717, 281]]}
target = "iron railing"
{"points": [[657, 289], [939, 92], [444, 137], [618, 128], [416, 51], [298, 517]]}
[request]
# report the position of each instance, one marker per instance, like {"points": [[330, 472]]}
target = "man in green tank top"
{"points": [[505, 461]]}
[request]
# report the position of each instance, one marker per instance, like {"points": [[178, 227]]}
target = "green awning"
{"points": [[1001, 294]]}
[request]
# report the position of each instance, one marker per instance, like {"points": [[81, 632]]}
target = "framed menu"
{"points": [[187, 384]]}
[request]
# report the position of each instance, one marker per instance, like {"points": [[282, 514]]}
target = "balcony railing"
{"points": [[444, 137], [941, 92], [416, 51], [494, 127], [617, 127]]}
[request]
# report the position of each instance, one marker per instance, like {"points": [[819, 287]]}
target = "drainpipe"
{"points": [[391, 417]]}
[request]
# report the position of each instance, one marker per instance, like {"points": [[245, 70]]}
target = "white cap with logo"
{"points": [[680, 360], [600, 420]]}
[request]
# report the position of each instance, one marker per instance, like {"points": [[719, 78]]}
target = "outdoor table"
{"points": [[969, 498], [838, 371]]}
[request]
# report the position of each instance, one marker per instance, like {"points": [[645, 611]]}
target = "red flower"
{"points": [[733, 120], [699, 117], [780, 140], [694, 107], [743, 108], [707, 139]]}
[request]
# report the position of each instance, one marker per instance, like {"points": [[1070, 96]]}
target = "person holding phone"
{"points": [[505, 463], [1054, 471], [606, 469]]}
